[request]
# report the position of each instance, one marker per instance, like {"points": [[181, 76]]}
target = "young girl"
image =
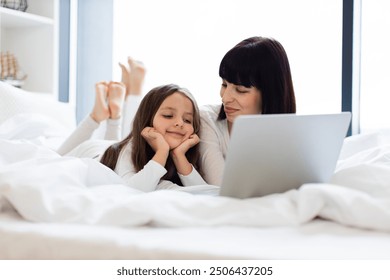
{"points": [[162, 144], [161, 151]]}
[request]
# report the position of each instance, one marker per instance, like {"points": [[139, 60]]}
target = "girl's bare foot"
{"points": [[100, 111], [133, 76], [125, 77], [116, 97], [137, 75]]}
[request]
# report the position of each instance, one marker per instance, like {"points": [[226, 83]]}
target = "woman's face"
{"points": [[239, 100], [174, 119]]}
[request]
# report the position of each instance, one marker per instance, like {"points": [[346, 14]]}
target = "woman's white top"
{"points": [[214, 139]]}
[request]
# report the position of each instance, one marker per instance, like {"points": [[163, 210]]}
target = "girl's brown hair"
{"points": [[141, 150]]}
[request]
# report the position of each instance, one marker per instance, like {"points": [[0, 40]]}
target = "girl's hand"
{"points": [[183, 166], [155, 139], [186, 145], [158, 144]]}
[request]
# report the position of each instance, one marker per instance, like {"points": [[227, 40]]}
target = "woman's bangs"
{"points": [[236, 70]]}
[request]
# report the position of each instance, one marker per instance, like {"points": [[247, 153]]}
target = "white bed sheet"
{"points": [[67, 208], [45, 187], [320, 239]]}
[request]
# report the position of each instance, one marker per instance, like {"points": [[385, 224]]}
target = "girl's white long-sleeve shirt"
{"points": [[214, 139], [149, 178], [80, 144]]}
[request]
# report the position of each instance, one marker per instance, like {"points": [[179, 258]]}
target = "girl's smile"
{"points": [[174, 119]]}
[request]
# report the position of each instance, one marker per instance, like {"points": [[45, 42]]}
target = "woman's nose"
{"points": [[226, 95]]}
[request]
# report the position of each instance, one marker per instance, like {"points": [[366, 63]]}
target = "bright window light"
{"points": [[375, 70], [183, 42]]}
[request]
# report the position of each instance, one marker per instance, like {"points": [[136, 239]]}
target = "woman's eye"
{"points": [[241, 90], [223, 85], [167, 116]]}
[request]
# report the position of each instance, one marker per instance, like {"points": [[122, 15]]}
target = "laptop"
{"points": [[275, 153]]}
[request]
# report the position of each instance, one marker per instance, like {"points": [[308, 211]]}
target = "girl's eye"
{"points": [[188, 121]]}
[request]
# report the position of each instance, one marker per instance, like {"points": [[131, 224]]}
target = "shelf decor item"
{"points": [[10, 70], [20, 5]]}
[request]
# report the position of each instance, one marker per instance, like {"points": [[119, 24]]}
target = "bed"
{"points": [[54, 207]]}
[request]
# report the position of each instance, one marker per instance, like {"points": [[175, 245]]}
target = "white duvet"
{"points": [[44, 187]]}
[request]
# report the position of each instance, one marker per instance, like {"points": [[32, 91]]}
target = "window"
{"points": [[375, 61], [183, 42]]}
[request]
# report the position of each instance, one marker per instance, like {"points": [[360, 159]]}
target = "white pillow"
{"points": [[14, 101]]}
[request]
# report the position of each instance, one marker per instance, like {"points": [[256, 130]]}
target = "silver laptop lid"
{"points": [[275, 153]]}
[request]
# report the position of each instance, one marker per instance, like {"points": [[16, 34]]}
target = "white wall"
{"points": [[183, 42]]}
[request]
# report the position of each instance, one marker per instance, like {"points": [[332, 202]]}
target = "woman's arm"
{"points": [[213, 147]]}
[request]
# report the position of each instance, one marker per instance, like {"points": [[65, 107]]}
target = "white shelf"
{"points": [[13, 18], [32, 37]]}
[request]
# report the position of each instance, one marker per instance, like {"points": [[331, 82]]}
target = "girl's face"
{"points": [[174, 119], [239, 100]]}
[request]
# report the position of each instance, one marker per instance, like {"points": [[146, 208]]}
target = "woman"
{"points": [[256, 79]]}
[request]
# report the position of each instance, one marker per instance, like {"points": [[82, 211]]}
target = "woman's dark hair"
{"points": [[141, 150], [262, 63]]}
